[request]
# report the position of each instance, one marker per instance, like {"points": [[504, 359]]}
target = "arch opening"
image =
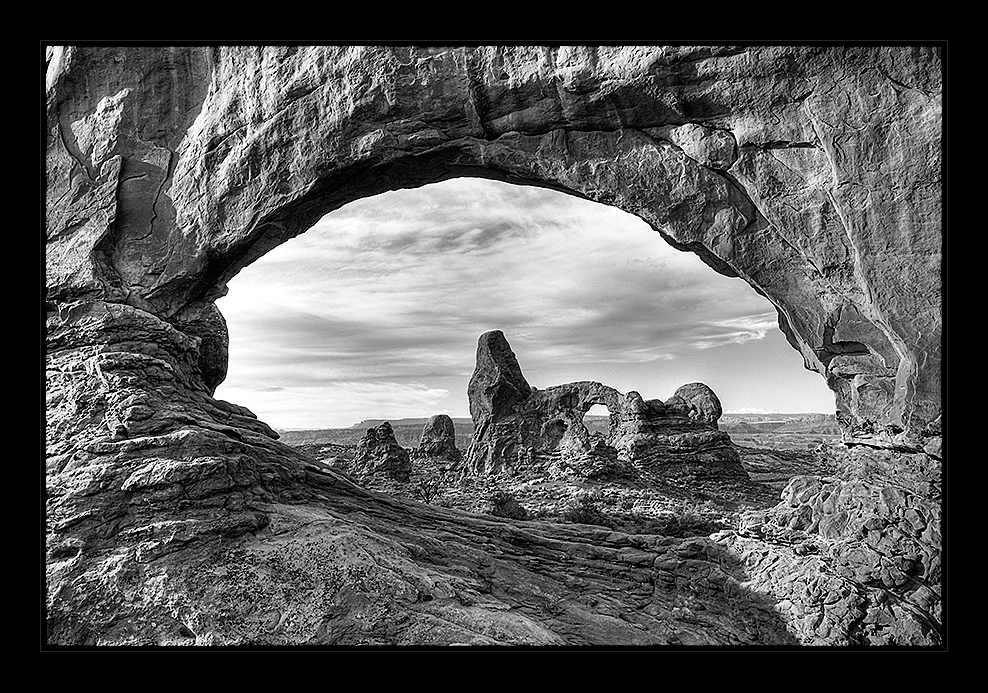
{"points": [[597, 421], [384, 299]]}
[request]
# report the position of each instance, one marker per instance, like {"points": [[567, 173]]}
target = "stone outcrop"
{"points": [[701, 403], [517, 426], [378, 454], [437, 451], [812, 172], [860, 553], [673, 437]]}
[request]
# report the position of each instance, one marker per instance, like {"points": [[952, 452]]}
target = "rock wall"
{"points": [[811, 172]]}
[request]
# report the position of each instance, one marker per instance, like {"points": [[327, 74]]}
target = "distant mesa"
{"points": [[518, 426], [807, 423]]}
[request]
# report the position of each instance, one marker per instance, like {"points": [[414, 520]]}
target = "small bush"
{"points": [[586, 512], [428, 488], [504, 504], [684, 525]]}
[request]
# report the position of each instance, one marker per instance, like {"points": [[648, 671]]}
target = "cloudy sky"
{"points": [[375, 311]]}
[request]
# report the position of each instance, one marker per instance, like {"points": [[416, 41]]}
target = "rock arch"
{"points": [[172, 168]]}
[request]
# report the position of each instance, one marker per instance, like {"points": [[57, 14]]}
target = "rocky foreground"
{"points": [[241, 540], [191, 554], [836, 562]]}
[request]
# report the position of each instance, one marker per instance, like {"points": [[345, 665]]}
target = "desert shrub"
{"points": [[683, 525], [504, 504], [428, 488], [586, 512], [691, 525]]}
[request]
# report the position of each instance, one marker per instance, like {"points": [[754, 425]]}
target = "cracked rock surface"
{"points": [[813, 173]]}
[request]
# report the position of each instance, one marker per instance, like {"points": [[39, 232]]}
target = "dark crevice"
{"points": [[829, 349], [72, 147], [902, 85], [217, 140], [780, 144], [706, 53], [69, 229], [169, 170]]}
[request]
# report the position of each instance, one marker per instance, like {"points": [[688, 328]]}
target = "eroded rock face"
{"points": [[173, 517], [517, 426], [437, 450], [378, 454], [873, 534]]}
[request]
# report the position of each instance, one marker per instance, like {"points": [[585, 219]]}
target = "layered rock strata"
{"points": [[517, 426], [812, 172]]}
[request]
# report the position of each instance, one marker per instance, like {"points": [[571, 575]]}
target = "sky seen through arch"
{"points": [[374, 313]]}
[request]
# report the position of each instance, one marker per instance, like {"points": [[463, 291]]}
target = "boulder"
{"points": [[705, 406]]}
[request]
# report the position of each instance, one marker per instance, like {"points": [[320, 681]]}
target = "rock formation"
{"points": [[437, 450], [740, 154], [861, 553], [517, 426], [701, 404], [812, 172], [378, 454]]}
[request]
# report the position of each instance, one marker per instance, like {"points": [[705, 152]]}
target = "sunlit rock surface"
{"points": [[437, 451], [519, 427], [813, 173]]}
